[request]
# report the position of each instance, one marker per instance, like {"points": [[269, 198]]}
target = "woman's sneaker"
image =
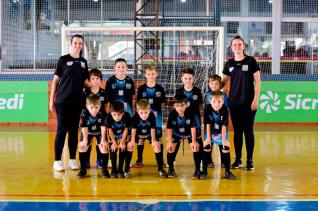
{"points": [[237, 164], [73, 164], [81, 174], [58, 165], [229, 175], [249, 165]]}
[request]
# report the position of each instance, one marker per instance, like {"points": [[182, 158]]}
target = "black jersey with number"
{"points": [[94, 124], [101, 94], [121, 91], [118, 128], [72, 73], [156, 96], [216, 119], [181, 126], [242, 80], [143, 127]]}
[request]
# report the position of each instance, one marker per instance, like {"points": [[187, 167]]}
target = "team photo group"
{"points": [[121, 120]]}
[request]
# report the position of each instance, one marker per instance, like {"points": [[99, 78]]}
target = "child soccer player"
{"points": [[214, 85], [155, 94], [216, 121], [118, 123], [95, 78], [92, 125], [120, 87], [143, 128], [180, 126], [195, 101]]}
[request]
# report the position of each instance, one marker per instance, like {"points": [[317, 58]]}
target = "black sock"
{"points": [[128, 160], [197, 160], [140, 150], [205, 158], [82, 158], [104, 158], [113, 158], [98, 153], [159, 160], [122, 156], [226, 159], [170, 158]]}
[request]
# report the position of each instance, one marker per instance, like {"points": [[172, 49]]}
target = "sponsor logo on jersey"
{"points": [[245, 67], [188, 121], [114, 86], [83, 64], [231, 69], [128, 86], [158, 94], [69, 63], [195, 97]]}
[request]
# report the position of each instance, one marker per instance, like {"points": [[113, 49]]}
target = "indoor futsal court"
{"points": [[171, 35]]}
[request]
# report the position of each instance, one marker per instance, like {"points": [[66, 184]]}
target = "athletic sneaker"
{"points": [[127, 175], [249, 165], [81, 174], [237, 164], [113, 174], [196, 174], [73, 164], [120, 175], [171, 173], [162, 173], [58, 165], [105, 173], [203, 175], [139, 163], [229, 175], [211, 165], [99, 164]]}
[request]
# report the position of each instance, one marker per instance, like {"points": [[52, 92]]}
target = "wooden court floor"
{"points": [[286, 169]]}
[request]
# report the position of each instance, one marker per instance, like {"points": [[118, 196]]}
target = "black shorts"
{"points": [[90, 138]]}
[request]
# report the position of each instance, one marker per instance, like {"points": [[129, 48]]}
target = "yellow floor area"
{"points": [[286, 167]]}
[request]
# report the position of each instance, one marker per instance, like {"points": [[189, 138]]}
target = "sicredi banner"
{"points": [[290, 101], [25, 101]]}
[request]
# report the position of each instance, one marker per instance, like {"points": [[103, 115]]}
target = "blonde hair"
{"points": [[93, 99], [150, 67], [143, 104]]}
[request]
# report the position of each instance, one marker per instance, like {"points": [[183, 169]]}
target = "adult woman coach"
{"points": [[243, 71], [66, 98]]}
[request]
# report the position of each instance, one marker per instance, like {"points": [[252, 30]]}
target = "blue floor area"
{"points": [[180, 205]]}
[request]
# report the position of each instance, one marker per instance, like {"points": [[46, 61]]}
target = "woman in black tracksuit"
{"points": [[245, 83], [66, 99]]}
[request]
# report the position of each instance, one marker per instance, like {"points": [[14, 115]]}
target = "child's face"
{"points": [[95, 81], [93, 109], [187, 80], [180, 108], [120, 68], [117, 116], [214, 85], [216, 102], [151, 75], [143, 113]]}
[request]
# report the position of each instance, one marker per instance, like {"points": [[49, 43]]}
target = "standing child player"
{"points": [[155, 94], [195, 101], [180, 126], [118, 123], [92, 125], [216, 121], [120, 87], [214, 85], [144, 128], [95, 78]]}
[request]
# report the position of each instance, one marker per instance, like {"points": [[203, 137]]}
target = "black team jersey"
{"points": [[195, 100], [101, 94], [72, 72], [118, 127], [93, 123], [143, 128], [156, 96], [181, 126], [216, 120], [121, 91], [242, 80]]}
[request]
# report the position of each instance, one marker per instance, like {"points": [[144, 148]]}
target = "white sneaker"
{"points": [[73, 164], [58, 165]]}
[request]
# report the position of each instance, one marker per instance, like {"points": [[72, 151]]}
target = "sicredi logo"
{"points": [[271, 102], [12, 103]]}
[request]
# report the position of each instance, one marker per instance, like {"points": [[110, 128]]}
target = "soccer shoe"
{"points": [[58, 165], [120, 175], [196, 174], [127, 175], [73, 164], [81, 174], [171, 173], [237, 164], [249, 165], [99, 164], [113, 174], [105, 173], [229, 175], [211, 165], [139, 164], [203, 175], [162, 173]]}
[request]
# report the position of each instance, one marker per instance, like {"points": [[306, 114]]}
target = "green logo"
{"points": [[269, 102]]}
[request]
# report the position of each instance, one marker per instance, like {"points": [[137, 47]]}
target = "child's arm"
{"points": [[123, 140], [83, 144], [194, 144], [169, 137], [131, 144], [104, 144], [113, 140], [54, 84]]}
